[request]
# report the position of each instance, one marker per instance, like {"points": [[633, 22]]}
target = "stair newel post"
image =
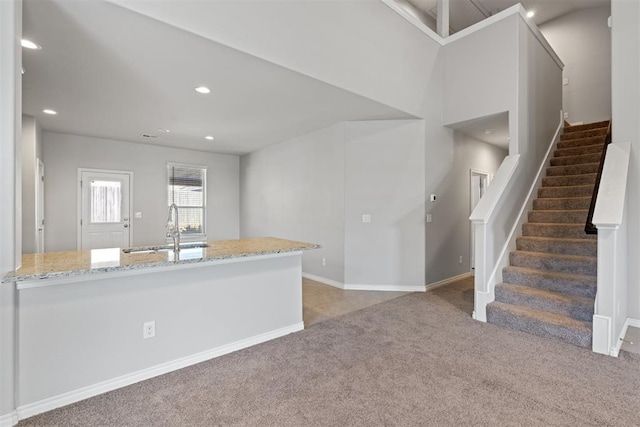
{"points": [[481, 280], [605, 310]]}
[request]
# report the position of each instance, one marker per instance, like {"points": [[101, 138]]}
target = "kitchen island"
{"points": [[83, 315]]}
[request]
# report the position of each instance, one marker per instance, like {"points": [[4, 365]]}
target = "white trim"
{"points": [[144, 374], [72, 277], [448, 281], [9, 419], [79, 201], [526, 206], [615, 352], [513, 10], [600, 334], [385, 288], [324, 280], [414, 21]]}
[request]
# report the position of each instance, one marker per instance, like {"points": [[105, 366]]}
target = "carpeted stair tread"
{"points": [[566, 191], [577, 307], [573, 169], [558, 215], [550, 284], [587, 126], [577, 151], [549, 229], [581, 247], [561, 263], [562, 203], [566, 180], [540, 323], [566, 283], [576, 160], [584, 134]]}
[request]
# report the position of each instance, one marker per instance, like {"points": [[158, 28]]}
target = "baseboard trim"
{"points": [[385, 288], [145, 374], [448, 281], [9, 420], [324, 280], [615, 352]]}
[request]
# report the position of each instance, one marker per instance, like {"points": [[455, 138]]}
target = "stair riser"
{"points": [[577, 151], [537, 327], [586, 134], [562, 204], [573, 169], [565, 181], [560, 192], [571, 286], [565, 217], [575, 160], [587, 268], [580, 310], [583, 248], [588, 126], [569, 231]]}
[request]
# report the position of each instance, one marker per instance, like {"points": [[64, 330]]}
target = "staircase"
{"points": [[549, 287]]}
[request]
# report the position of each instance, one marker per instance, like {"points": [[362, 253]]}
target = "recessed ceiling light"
{"points": [[29, 44], [163, 130], [48, 111], [209, 137], [530, 14], [203, 89]]}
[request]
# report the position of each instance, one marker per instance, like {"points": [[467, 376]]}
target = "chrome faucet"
{"points": [[173, 228]]}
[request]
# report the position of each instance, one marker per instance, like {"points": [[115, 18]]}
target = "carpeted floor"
{"points": [[415, 360]]}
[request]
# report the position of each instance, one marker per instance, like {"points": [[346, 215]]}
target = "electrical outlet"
{"points": [[149, 330], [566, 115], [324, 262], [460, 260]]}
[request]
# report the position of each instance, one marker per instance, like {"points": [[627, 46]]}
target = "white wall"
{"points": [[337, 42], [481, 72], [625, 93], [10, 235], [31, 151], [448, 236], [384, 178], [295, 190], [583, 41], [65, 153], [316, 187]]}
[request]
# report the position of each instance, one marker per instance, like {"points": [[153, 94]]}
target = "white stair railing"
{"points": [[610, 311]]}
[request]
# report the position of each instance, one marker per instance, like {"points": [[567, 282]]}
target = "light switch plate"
{"points": [[366, 218]]}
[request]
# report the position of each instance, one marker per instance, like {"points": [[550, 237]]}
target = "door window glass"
{"points": [[106, 201]]}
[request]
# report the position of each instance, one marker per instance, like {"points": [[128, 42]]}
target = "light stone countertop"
{"points": [[73, 263]]}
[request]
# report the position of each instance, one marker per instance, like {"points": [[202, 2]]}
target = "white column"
{"points": [[443, 18]]}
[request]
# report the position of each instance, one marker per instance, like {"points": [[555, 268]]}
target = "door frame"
{"points": [[79, 200], [40, 206], [474, 172]]}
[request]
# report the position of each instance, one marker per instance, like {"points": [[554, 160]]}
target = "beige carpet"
{"points": [[415, 360]]}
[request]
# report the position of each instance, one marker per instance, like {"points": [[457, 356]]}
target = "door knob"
{"points": [[126, 225], [126, 219]]}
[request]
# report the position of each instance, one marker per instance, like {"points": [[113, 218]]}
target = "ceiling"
{"points": [[115, 74], [492, 129], [464, 13]]}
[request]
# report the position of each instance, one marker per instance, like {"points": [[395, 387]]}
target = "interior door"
{"points": [[40, 206], [105, 210], [479, 184]]}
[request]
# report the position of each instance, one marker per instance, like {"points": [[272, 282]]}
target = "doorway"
{"points": [[39, 206], [104, 203], [479, 182]]}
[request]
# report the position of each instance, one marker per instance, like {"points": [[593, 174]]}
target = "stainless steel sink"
{"points": [[161, 248]]}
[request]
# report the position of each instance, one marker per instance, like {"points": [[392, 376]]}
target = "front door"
{"points": [[105, 210]]}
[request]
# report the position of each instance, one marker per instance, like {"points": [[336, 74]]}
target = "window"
{"points": [[106, 201], [187, 189]]}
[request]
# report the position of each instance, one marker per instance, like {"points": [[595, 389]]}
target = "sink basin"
{"points": [[150, 249]]}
